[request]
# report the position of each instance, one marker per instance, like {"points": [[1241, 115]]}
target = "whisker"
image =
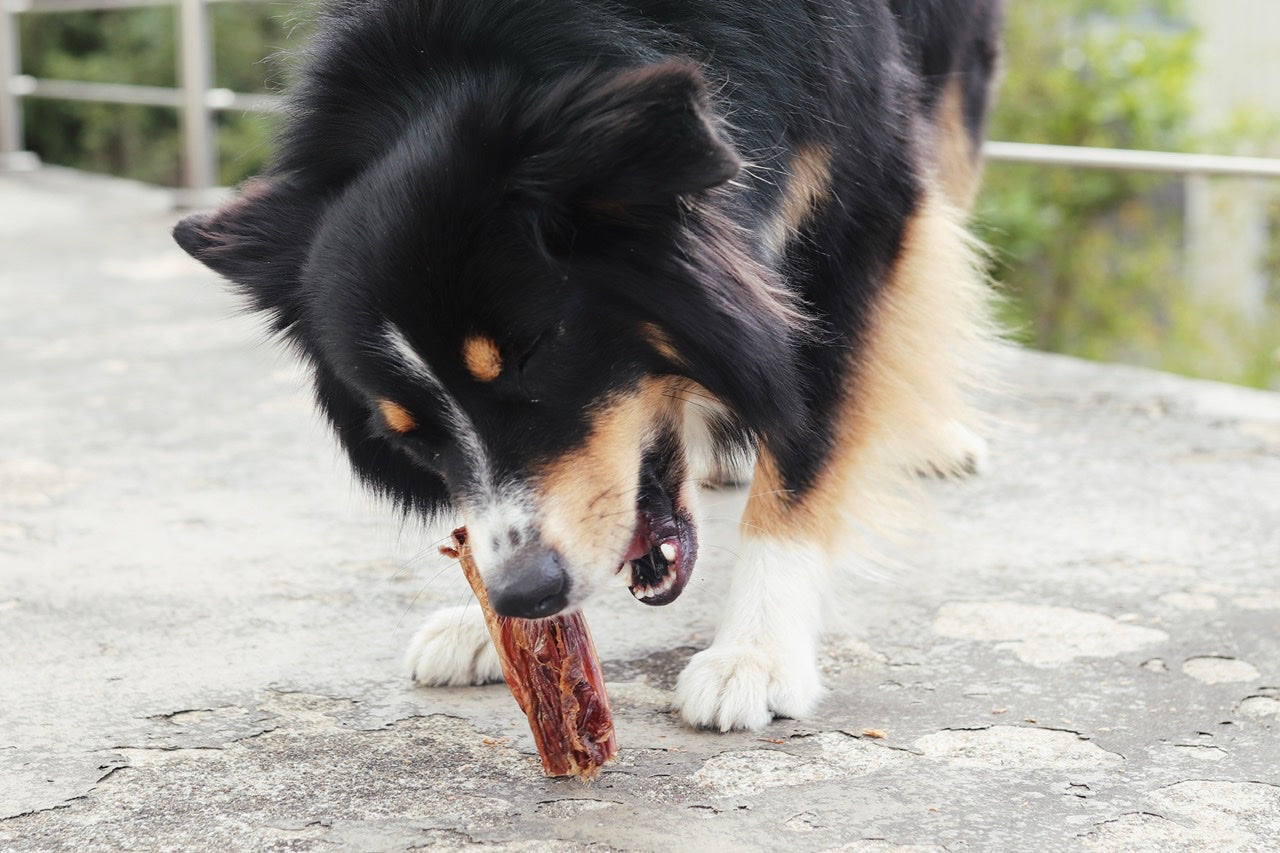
{"points": [[773, 492], [682, 399], [695, 393], [423, 588], [738, 520]]}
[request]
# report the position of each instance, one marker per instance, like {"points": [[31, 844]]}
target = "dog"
{"points": [[549, 263]]}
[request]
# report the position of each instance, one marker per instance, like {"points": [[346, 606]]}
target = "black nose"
{"points": [[532, 584]]}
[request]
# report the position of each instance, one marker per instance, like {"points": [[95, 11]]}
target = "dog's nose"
{"points": [[531, 585]]}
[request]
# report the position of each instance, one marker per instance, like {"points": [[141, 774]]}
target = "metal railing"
{"points": [[198, 102], [195, 98], [1129, 160]]}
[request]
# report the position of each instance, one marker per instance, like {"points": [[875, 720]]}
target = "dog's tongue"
{"points": [[640, 543]]}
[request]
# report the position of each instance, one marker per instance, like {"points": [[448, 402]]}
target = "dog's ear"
{"points": [[731, 324], [258, 241], [640, 136]]}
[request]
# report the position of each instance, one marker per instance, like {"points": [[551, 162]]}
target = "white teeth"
{"points": [[654, 591], [668, 550]]}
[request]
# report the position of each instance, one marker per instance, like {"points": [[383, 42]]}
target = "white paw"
{"points": [[744, 687], [453, 649], [960, 452]]}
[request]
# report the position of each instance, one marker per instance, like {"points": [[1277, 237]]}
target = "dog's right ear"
{"points": [[258, 241]]}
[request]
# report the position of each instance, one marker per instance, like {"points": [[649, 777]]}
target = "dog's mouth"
{"points": [[664, 546]]}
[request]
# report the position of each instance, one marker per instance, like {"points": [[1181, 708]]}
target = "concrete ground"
{"points": [[201, 616]]}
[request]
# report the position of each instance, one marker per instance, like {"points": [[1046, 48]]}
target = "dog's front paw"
{"points": [[743, 687], [960, 452], [453, 649]]}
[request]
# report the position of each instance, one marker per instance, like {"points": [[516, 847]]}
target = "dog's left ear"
{"points": [[258, 241], [636, 137]]}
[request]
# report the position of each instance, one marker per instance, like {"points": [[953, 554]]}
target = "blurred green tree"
{"points": [[138, 46], [1092, 262]]}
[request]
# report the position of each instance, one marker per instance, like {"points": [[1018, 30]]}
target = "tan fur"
{"points": [[482, 357], [808, 183], [397, 417], [588, 497], [928, 345], [959, 167], [661, 343]]}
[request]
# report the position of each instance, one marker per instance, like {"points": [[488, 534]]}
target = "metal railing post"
{"points": [[199, 145], [10, 103], [1196, 214]]}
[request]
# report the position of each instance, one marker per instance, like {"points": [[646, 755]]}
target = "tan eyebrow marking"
{"points": [[397, 417], [482, 357], [661, 343]]}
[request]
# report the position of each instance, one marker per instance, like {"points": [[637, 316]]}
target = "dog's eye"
{"points": [[526, 358], [522, 354], [526, 355]]}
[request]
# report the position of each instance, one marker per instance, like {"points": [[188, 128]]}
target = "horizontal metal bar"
{"points": [[112, 93], [154, 96], [56, 6], [1132, 160], [249, 102]]}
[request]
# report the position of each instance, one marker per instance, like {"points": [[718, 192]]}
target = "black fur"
{"points": [[557, 174]]}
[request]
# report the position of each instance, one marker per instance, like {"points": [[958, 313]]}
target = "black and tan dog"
{"points": [[542, 255]]}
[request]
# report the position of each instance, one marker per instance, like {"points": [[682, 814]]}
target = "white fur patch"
{"points": [[453, 649], [700, 411], [509, 514], [763, 662], [460, 424], [493, 512]]}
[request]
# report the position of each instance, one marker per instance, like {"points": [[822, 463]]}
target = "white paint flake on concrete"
{"points": [[1016, 748], [1219, 670], [1042, 635]]}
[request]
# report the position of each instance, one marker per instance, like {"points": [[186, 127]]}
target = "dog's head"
{"points": [[507, 306]]}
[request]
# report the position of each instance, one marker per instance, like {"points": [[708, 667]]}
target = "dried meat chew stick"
{"points": [[553, 671]]}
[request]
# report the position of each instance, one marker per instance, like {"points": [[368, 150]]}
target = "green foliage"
{"points": [[1093, 261], [135, 46], [1081, 249], [138, 46]]}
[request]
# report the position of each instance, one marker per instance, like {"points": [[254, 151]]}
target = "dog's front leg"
{"points": [[763, 662], [453, 649]]}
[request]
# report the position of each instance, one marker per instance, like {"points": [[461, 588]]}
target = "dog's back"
{"points": [[780, 68]]}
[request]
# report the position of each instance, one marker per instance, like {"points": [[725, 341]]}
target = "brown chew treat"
{"points": [[553, 671]]}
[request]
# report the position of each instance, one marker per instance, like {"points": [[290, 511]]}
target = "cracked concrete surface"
{"points": [[201, 616]]}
